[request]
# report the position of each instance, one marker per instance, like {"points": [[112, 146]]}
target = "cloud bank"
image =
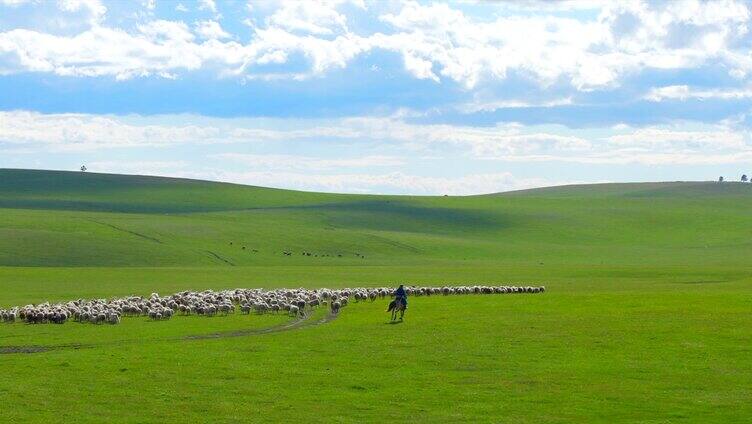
{"points": [[437, 42]]}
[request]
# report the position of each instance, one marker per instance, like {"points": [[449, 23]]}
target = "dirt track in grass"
{"points": [[298, 323]]}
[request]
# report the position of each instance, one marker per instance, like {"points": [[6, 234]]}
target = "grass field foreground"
{"points": [[646, 316]]}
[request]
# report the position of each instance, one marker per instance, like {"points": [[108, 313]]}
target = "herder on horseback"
{"points": [[399, 304]]}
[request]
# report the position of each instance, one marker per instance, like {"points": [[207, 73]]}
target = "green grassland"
{"points": [[647, 316]]}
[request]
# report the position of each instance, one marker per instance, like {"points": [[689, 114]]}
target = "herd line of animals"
{"points": [[295, 302]]}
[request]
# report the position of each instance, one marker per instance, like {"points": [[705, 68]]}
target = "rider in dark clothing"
{"points": [[401, 293]]}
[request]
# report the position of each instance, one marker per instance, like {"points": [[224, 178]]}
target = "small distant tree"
{"points": [[720, 179], [83, 168], [744, 178]]}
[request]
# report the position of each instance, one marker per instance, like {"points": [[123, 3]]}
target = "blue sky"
{"points": [[379, 97]]}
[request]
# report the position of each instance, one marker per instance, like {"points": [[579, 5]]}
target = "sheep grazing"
{"points": [[226, 308], [208, 303], [260, 307], [8, 316]]}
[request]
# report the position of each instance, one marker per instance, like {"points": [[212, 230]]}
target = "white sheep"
{"points": [[208, 303]]}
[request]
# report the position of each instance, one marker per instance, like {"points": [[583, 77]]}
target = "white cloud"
{"points": [[656, 139], [322, 54], [291, 162], [86, 132], [684, 92], [211, 30], [180, 7], [492, 105], [668, 144], [588, 53], [209, 5], [550, 6], [165, 168], [377, 183], [435, 41], [658, 94], [496, 141], [159, 48], [94, 8], [320, 18], [676, 158], [15, 3], [394, 182]]}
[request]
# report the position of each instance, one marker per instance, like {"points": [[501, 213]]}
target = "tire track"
{"points": [[298, 323], [143, 236], [216, 256], [301, 322]]}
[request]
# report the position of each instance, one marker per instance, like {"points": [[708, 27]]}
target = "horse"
{"points": [[397, 305]]}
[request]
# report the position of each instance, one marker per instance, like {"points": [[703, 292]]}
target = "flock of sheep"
{"points": [[295, 302]]}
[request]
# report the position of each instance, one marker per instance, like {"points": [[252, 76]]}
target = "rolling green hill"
{"points": [[50, 218], [645, 318]]}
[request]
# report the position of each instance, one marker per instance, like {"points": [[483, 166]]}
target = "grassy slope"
{"points": [[74, 219], [646, 318]]}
